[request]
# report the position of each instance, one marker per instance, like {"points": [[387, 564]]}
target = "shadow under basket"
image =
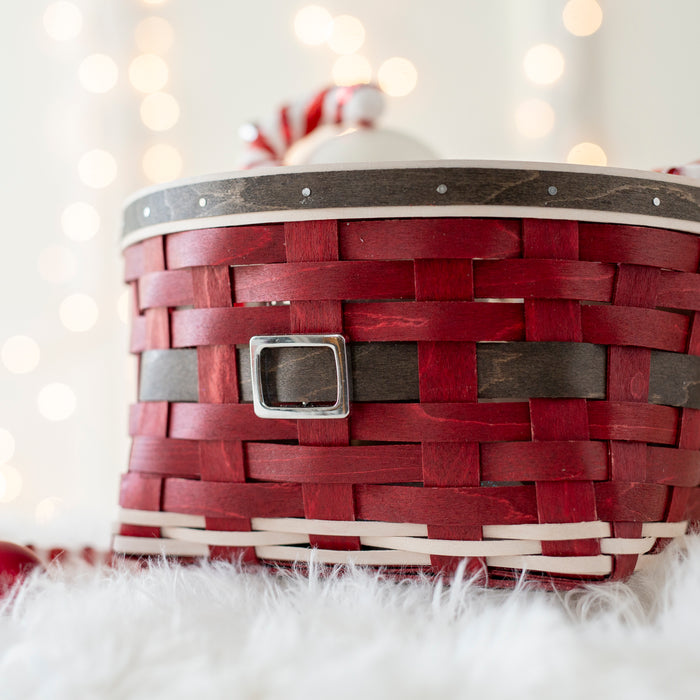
{"points": [[406, 366]]}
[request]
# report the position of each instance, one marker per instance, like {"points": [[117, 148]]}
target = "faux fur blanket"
{"points": [[216, 631]]}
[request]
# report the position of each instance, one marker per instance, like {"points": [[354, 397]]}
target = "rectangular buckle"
{"points": [[339, 409]]}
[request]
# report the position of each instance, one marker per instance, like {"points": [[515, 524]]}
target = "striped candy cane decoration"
{"points": [[268, 141]]}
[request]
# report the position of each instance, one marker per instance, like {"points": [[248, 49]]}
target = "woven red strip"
{"points": [[140, 492], [544, 461], [325, 280], [434, 320], [639, 246], [333, 464], [547, 279], [679, 290], [619, 420], [137, 341], [429, 238], [631, 502], [169, 288], [673, 466], [149, 419], [438, 422], [235, 245], [221, 499], [165, 456], [504, 505], [647, 328], [227, 326], [133, 262]]}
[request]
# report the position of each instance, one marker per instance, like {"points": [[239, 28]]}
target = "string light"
{"points": [[159, 111], [80, 221], [62, 21], [582, 17], [98, 73], [20, 354], [587, 153], [347, 34], [312, 25], [78, 312], [351, 70], [534, 118], [397, 76], [148, 73], [56, 401], [97, 169], [10, 483], [154, 35], [543, 64], [57, 264], [161, 163]]}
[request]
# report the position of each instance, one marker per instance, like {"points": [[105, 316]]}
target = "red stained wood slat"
{"points": [[673, 467], [630, 502], [376, 464], [545, 279], [639, 422], [137, 340], [647, 328], [429, 238], [149, 418], [133, 262], [215, 499], [679, 290], [325, 280], [227, 326], [140, 492], [693, 506], [195, 421], [434, 320], [438, 422], [497, 505], [234, 245], [639, 245], [166, 288], [165, 456], [544, 461]]}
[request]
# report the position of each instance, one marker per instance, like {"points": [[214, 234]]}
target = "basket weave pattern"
{"points": [[501, 452]]}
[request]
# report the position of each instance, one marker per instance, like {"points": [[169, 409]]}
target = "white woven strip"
{"points": [[664, 529], [624, 545], [340, 527], [455, 548], [549, 532], [600, 565], [154, 546], [378, 557], [155, 518], [233, 539]]}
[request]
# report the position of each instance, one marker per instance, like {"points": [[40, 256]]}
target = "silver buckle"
{"points": [[336, 343]]}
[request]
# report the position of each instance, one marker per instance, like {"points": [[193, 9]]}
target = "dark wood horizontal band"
{"points": [[290, 194], [388, 372]]}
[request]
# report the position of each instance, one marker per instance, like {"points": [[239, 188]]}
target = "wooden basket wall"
{"points": [[526, 393]]}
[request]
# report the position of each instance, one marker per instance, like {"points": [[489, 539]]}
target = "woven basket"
{"points": [[491, 361]]}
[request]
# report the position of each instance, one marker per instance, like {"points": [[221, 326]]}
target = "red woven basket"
{"points": [[404, 366]]}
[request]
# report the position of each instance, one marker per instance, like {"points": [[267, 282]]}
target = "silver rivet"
{"points": [[146, 212], [306, 192], [656, 201], [552, 190], [202, 202], [441, 189]]}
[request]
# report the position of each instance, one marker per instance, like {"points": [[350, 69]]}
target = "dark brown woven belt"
{"points": [[388, 372]]}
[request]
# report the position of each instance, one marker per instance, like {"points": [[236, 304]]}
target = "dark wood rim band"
{"points": [[472, 188], [388, 372]]}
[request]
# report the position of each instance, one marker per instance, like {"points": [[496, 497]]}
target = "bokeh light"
{"points": [[397, 76], [98, 73], [312, 25], [7, 445], [161, 163], [10, 483], [347, 34], [78, 312], [587, 153], [56, 401], [154, 35], [97, 168], [148, 73], [534, 118], [20, 354], [57, 264], [351, 70], [47, 509], [80, 221], [582, 17], [159, 111], [62, 21], [543, 64]]}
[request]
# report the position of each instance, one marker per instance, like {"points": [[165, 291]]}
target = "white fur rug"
{"points": [[214, 631]]}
